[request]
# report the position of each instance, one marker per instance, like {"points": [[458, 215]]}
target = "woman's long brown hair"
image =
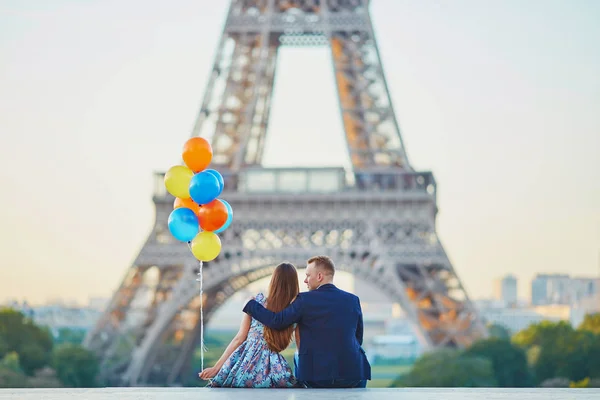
{"points": [[282, 290]]}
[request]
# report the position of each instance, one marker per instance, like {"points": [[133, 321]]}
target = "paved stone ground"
{"points": [[298, 394]]}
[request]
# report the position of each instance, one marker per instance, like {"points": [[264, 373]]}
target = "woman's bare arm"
{"points": [[239, 338]]}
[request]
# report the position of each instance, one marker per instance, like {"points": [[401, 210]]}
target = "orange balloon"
{"points": [[187, 203], [213, 215], [197, 154]]}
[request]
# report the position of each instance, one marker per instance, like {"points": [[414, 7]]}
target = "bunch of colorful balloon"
{"points": [[198, 215]]}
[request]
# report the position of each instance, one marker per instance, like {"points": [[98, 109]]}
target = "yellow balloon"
{"points": [[206, 246], [177, 181]]}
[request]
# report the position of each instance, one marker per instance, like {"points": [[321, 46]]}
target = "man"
{"points": [[331, 330]]}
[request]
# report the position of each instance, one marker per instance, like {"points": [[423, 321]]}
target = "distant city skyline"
{"points": [[499, 99], [376, 307], [499, 289]]}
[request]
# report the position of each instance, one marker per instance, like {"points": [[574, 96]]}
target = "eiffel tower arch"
{"points": [[376, 221]]}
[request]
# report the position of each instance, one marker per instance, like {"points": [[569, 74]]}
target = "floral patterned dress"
{"points": [[253, 365]]}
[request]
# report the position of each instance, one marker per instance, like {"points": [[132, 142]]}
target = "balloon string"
{"points": [[202, 347]]}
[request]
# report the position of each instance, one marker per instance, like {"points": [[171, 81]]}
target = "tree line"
{"points": [[546, 354], [31, 357]]}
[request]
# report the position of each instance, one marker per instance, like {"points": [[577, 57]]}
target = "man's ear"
{"points": [[319, 276]]}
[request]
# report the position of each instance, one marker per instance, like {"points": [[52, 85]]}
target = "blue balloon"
{"points": [[183, 224], [219, 177], [229, 217], [204, 187]]}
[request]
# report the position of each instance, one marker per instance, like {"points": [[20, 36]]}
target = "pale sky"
{"points": [[500, 99]]}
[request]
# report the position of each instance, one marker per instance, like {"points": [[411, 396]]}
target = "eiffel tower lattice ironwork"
{"points": [[377, 222]]}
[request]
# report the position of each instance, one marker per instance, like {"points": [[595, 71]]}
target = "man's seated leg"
{"points": [[296, 361]]}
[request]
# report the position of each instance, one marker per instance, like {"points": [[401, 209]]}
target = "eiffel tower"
{"points": [[377, 222]]}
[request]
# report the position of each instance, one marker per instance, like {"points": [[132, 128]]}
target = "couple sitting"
{"points": [[326, 323]]}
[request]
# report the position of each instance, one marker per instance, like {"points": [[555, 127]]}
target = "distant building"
{"points": [[514, 319], [506, 290], [549, 289], [517, 319], [393, 347], [539, 290], [584, 288], [59, 317], [399, 342], [23, 307], [588, 305]]}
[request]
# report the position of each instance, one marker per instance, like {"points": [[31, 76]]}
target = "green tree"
{"points": [[593, 357], [11, 375], [11, 362], [579, 349], [75, 366], [508, 360], [498, 331], [545, 346], [20, 334], [33, 356], [542, 334], [555, 349], [449, 368], [11, 323], [12, 379], [591, 323], [584, 383], [4, 349]]}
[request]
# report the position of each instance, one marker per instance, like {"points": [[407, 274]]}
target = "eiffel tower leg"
{"points": [[372, 132], [237, 102], [106, 338]]}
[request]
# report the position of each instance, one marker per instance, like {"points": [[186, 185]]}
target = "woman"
{"points": [[253, 357]]}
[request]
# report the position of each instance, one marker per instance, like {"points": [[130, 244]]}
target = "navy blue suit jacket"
{"points": [[331, 333]]}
